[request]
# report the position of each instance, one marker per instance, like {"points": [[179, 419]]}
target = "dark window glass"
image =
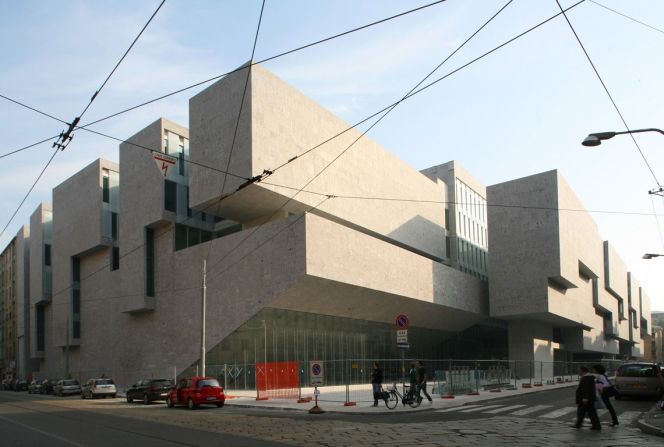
{"points": [[40, 328], [114, 226], [206, 236], [77, 329], [76, 301], [105, 192], [76, 269], [181, 162], [47, 254], [194, 237], [115, 258], [180, 237], [170, 196], [149, 262]]}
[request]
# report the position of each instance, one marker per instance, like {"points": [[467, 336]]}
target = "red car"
{"points": [[194, 391]]}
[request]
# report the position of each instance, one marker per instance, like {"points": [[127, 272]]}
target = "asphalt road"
{"points": [[27, 423]]}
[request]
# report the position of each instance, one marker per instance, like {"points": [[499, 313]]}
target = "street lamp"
{"points": [[651, 255], [595, 139]]}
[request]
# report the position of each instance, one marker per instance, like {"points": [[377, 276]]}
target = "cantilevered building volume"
{"points": [[310, 254]]}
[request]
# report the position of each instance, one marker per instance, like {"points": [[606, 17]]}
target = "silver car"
{"points": [[639, 379], [67, 387], [99, 388]]}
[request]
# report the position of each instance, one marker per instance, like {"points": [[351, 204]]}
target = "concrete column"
{"points": [[531, 346]]}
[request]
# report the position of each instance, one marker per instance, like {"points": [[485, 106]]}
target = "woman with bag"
{"points": [[606, 390], [376, 382]]}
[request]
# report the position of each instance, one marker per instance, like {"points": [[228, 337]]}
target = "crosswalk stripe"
{"points": [[529, 410], [480, 409], [456, 408], [628, 416], [557, 413], [501, 410]]}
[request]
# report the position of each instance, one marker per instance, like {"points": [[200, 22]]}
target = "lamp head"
{"points": [[651, 255], [595, 139]]}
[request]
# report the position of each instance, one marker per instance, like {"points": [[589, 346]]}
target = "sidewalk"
{"points": [[332, 399], [652, 422]]}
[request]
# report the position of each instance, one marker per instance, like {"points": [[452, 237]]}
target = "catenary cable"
{"points": [[628, 17], [608, 93], [375, 114]]}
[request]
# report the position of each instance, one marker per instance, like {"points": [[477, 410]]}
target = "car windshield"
{"points": [[104, 382], [208, 382], [69, 382], [162, 383]]}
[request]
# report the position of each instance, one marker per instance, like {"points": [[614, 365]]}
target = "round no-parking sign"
{"points": [[316, 372]]}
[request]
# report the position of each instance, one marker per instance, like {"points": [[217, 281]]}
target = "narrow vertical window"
{"points": [[115, 258], [170, 196], [105, 187], [47, 254], [39, 317], [76, 297], [149, 262], [114, 226]]}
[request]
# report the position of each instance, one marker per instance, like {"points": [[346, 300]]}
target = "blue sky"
{"points": [[519, 111]]}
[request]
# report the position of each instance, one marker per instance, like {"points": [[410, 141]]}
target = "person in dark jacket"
{"points": [[376, 381], [585, 400], [422, 381]]}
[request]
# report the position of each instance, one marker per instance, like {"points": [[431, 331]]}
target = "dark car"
{"points": [[35, 386], [149, 390], [21, 385], [194, 391]]}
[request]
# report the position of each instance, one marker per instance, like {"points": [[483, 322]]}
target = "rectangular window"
{"points": [[114, 226], [181, 161], [170, 196], [39, 317], [76, 297], [115, 258], [105, 188], [180, 237], [149, 262], [47, 254]]}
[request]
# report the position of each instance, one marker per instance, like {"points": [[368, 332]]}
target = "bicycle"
{"points": [[409, 397]]}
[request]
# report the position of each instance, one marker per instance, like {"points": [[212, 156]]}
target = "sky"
{"points": [[521, 110]]}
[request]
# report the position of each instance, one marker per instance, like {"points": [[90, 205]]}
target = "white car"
{"points": [[94, 388]]}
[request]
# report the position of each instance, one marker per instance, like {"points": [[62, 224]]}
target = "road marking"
{"points": [[51, 435], [457, 408], [526, 411], [557, 413], [629, 416], [480, 409], [500, 410]]}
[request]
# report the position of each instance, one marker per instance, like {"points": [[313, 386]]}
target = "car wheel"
{"points": [[146, 399], [129, 398], [220, 404], [190, 404], [169, 402]]}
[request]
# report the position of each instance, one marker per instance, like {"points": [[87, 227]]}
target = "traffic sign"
{"points": [[401, 321], [316, 371], [402, 336], [164, 162], [403, 345]]}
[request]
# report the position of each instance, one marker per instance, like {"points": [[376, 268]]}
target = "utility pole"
{"points": [[203, 319]]}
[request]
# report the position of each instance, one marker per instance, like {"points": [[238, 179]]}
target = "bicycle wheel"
{"points": [[392, 401], [414, 401]]}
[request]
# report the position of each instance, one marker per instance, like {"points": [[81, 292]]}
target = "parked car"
{"points": [[195, 391], [95, 388], [149, 390], [35, 386], [66, 387], [20, 385], [639, 378], [4, 385]]}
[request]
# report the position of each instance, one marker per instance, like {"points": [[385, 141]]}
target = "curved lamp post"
{"points": [[595, 139], [651, 255]]}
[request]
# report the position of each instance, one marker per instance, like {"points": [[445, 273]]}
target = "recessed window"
{"points": [[170, 196], [47, 254]]}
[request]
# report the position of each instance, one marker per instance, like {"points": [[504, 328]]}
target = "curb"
{"points": [[649, 429]]}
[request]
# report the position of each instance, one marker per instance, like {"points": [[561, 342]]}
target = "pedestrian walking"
{"points": [[606, 390], [585, 400], [422, 381], [412, 375], [376, 382]]}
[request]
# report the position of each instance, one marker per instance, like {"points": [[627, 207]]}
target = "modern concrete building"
{"points": [[308, 253], [564, 291], [8, 339]]}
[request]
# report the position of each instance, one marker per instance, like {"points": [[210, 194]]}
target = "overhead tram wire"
{"points": [[285, 53], [366, 119], [654, 28], [66, 136], [608, 93], [358, 138]]}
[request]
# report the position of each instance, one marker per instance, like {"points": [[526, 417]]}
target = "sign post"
{"points": [[316, 373]]}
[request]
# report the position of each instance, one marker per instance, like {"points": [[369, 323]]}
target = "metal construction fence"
{"points": [[348, 381]]}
